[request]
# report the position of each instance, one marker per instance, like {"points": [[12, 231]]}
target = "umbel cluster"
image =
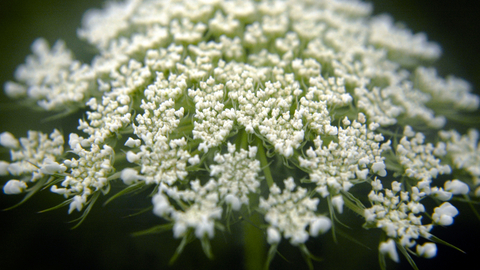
{"points": [[294, 110]]}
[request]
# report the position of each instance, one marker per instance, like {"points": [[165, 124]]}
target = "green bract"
{"points": [[292, 110]]}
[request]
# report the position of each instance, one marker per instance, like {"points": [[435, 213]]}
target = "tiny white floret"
{"points": [[8, 140], [390, 249], [320, 225], [337, 202], [441, 194], [273, 236], [444, 214], [205, 228], [457, 187], [179, 229], [77, 203], [233, 201], [132, 143], [132, 157], [194, 160], [52, 167], [362, 174], [129, 176], [408, 131], [379, 168], [428, 250], [14, 187], [161, 205]]}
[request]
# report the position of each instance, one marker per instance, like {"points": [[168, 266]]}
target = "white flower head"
{"points": [[301, 213], [34, 157], [213, 102]]}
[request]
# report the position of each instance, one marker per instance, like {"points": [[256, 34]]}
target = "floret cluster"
{"points": [[229, 107]]}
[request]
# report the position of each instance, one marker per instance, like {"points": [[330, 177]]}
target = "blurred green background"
{"points": [[44, 241]]}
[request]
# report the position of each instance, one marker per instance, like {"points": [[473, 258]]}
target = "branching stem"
{"points": [[264, 162]]}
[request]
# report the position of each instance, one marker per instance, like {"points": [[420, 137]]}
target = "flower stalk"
{"points": [[281, 112]]}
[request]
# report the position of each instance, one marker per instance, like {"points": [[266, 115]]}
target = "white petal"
{"points": [[14, 187], [8, 140], [457, 187], [320, 225], [390, 249], [273, 236], [428, 250], [337, 202]]}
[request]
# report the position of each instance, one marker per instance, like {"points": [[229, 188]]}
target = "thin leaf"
{"points": [[155, 229], [207, 249], [86, 211], [271, 254], [407, 256], [354, 207], [229, 216], [179, 249], [283, 257], [106, 189], [52, 181], [332, 217], [353, 203], [470, 203], [220, 226], [381, 256], [57, 206], [381, 261], [141, 211], [348, 237], [117, 174], [125, 191], [440, 241], [341, 223], [468, 200], [60, 115], [308, 256], [304, 249]]}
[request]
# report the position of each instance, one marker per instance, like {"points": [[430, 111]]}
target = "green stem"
{"points": [[264, 163], [254, 246], [242, 140]]}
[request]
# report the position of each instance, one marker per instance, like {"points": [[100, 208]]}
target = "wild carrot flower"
{"points": [[225, 108]]}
